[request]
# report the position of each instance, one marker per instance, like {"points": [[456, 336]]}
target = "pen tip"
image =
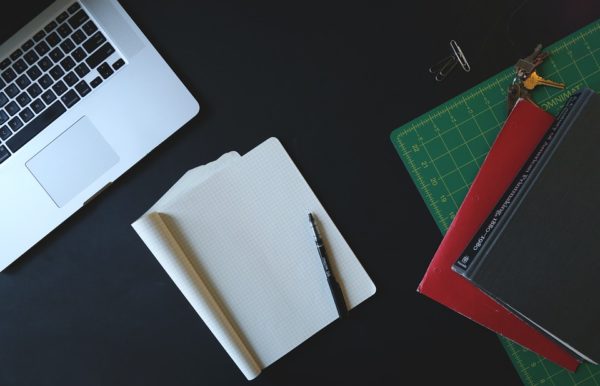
{"points": [[310, 217]]}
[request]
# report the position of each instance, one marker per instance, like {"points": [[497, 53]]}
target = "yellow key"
{"points": [[535, 80]]}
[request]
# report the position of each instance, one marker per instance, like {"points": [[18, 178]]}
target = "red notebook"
{"points": [[521, 133]]}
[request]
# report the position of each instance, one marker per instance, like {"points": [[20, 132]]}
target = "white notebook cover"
{"points": [[234, 237]]}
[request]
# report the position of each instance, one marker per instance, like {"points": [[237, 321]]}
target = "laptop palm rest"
{"points": [[72, 162]]}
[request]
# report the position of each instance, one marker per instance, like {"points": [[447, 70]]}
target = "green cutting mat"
{"points": [[444, 148]]}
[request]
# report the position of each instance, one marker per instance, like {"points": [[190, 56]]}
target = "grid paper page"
{"points": [[246, 232], [161, 243]]}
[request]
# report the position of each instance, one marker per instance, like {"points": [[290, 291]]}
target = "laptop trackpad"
{"points": [[72, 162]]}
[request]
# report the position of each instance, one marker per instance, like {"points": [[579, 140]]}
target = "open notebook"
{"points": [[234, 237]]}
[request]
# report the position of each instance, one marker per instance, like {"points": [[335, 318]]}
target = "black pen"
{"points": [[336, 290]]}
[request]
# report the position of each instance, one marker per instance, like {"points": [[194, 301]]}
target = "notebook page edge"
{"points": [[157, 237]]}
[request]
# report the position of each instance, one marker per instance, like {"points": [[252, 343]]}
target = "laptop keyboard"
{"points": [[49, 74]]}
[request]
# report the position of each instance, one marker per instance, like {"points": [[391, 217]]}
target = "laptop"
{"points": [[83, 97]]}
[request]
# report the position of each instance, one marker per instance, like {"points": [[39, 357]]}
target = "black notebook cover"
{"points": [[542, 259]]}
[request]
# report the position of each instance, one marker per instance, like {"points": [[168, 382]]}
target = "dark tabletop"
{"points": [[90, 305]]}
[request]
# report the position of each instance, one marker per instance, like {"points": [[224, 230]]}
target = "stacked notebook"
{"points": [[538, 252], [526, 238], [234, 237], [520, 134]]}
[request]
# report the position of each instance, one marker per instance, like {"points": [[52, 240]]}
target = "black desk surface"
{"points": [[89, 305]]}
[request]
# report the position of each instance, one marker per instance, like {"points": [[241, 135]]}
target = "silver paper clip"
{"points": [[445, 66]]}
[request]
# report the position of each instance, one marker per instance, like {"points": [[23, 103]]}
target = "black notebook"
{"points": [[538, 253]]}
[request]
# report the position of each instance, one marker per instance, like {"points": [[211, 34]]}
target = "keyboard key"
{"points": [[56, 55], [3, 117], [89, 27], [34, 72], [23, 81], [67, 46], [100, 55], [96, 82], [12, 90], [37, 105], [42, 48], [9, 75], [4, 154], [26, 114], [82, 70], [82, 88], [3, 99], [56, 72], [78, 19], [2, 84], [50, 26], [48, 97], [39, 36], [70, 98], [45, 81], [34, 127], [20, 66], [118, 64], [12, 108], [94, 42], [23, 99], [64, 30], [45, 63], [4, 64], [73, 8], [67, 63], [15, 124], [105, 70], [62, 17], [59, 88], [70, 79], [34, 90], [17, 54], [78, 37], [27, 45], [5, 132], [79, 54], [53, 39], [31, 57]]}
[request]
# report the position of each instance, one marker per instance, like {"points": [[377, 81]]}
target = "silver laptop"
{"points": [[83, 97]]}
